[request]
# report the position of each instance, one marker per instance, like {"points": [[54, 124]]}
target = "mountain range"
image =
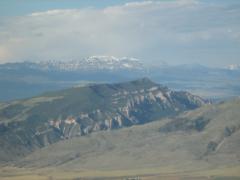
{"points": [[27, 79], [33, 123], [117, 131], [92, 63]]}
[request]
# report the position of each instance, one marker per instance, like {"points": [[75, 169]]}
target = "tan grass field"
{"points": [[12, 173]]}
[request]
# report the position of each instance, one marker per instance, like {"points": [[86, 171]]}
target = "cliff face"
{"points": [[43, 120], [205, 138]]}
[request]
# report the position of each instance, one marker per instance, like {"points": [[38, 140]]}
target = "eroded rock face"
{"points": [[137, 107], [83, 110]]}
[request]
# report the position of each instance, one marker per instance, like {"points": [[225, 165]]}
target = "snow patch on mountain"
{"points": [[93, 63], [233, 67]]}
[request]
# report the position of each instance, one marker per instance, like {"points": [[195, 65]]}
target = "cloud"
{"points": [[149, 30]]}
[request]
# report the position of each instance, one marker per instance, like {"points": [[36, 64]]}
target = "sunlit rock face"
{"points": [[55, 116], [127, 107]]}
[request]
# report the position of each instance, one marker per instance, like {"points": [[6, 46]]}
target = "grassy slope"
{"points": [[143, 150], [228, 173], [69, 101], [25, 124]]}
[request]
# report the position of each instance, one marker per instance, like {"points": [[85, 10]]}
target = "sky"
{"points": [[205, 32]]}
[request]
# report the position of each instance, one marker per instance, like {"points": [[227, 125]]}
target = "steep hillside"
{"points": [[30, 124], [168, 149]]}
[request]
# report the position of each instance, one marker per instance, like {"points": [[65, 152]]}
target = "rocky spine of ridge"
{"points": [[116, 106]]}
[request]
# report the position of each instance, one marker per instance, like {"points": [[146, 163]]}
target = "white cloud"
{"points": [[149, 29]]}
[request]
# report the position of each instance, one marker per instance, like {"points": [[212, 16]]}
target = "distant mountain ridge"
{"points": [[32, 123], [27, 79], [92, 63], [233, 67]]}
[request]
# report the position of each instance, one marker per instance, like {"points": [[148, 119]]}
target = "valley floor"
{"points": [[225, 173]]}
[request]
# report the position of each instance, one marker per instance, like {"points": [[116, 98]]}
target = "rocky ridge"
{"points": [[37, 122]]}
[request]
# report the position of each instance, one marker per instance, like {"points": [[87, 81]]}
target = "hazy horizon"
{"points": [[175, 32]]}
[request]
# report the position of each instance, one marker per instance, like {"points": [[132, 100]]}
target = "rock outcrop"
{"points": [[79, 111]]}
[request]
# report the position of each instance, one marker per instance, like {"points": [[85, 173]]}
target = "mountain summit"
{"points": [[93, 63]]}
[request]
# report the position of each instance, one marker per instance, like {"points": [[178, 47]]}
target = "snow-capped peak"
{"points": [[92, 63], [233, 67], [102, 58], [110, 58]]}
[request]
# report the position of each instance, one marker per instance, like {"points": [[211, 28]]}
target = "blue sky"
{"points": [[175, 31], [21, 7]]}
